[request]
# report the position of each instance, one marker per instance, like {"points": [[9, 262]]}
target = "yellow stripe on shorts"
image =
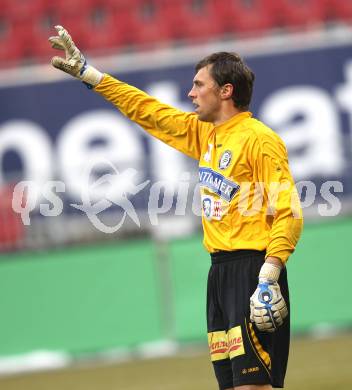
{"points": [[265, 357]]}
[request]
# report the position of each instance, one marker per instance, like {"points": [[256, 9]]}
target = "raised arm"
{"points": [[181, 130]]}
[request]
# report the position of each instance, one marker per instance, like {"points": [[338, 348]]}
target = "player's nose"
{"points": [[191, 94]]}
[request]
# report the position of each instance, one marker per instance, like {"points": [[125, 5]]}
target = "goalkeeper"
{"points": [[249, 241]]}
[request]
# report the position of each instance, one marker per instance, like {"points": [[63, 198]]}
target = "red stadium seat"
{"points": [[74, 7], [137, 22], [340, 9], [73, 14], [22, 9], [27, 37], [10, 48], [97, 24], [302, 13], [102, 29], [245, 16], [6, 41], [148, 22], [40, 47], [24, 18], [191, 20], [15, 43], [125, 22]]}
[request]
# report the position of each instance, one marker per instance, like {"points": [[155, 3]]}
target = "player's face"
{"points": [[205, 95]]}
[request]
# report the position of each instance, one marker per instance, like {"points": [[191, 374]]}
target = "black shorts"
{"points": [[240, 353]]}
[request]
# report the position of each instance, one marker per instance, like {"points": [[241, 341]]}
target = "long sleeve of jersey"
{"points": [[239, 151], [174, 127], [285, 213]]}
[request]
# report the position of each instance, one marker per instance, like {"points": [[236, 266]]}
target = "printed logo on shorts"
{"points": [[235, 342], [218, 345], [225, 159]]}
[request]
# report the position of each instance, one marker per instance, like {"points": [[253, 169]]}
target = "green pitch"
{"points": [[314, 365]]}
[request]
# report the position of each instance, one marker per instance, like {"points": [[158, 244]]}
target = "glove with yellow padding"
{"points": [[74, 62]]}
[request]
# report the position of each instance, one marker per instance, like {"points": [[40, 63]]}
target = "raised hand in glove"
{"points": [[267, 306], [74, 64]]}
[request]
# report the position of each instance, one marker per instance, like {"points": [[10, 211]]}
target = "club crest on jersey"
{"points": [[225, 159]]}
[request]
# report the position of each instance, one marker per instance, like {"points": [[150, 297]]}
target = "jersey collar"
{"points": [[233, 122]]}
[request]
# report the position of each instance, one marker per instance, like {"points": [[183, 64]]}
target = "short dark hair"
{"points": [[229, 68]]}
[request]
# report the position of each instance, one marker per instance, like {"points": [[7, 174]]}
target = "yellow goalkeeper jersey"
{"points": [[248, 196]]}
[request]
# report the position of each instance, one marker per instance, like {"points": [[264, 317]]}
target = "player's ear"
{"points": [[226, 91]]}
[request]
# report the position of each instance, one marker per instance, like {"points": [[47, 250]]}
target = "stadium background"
{"points": [[94, 304]]}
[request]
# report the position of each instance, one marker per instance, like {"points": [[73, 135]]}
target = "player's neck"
{"points": [[227, 112]]}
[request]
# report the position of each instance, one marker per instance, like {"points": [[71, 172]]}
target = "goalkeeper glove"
{"points": [[74, 64], [267, 306]]}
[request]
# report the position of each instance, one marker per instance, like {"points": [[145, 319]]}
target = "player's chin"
{"points": [[200, 114], [204, 118]]}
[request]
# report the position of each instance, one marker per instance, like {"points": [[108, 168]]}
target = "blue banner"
{"points": [[48, 131]]}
